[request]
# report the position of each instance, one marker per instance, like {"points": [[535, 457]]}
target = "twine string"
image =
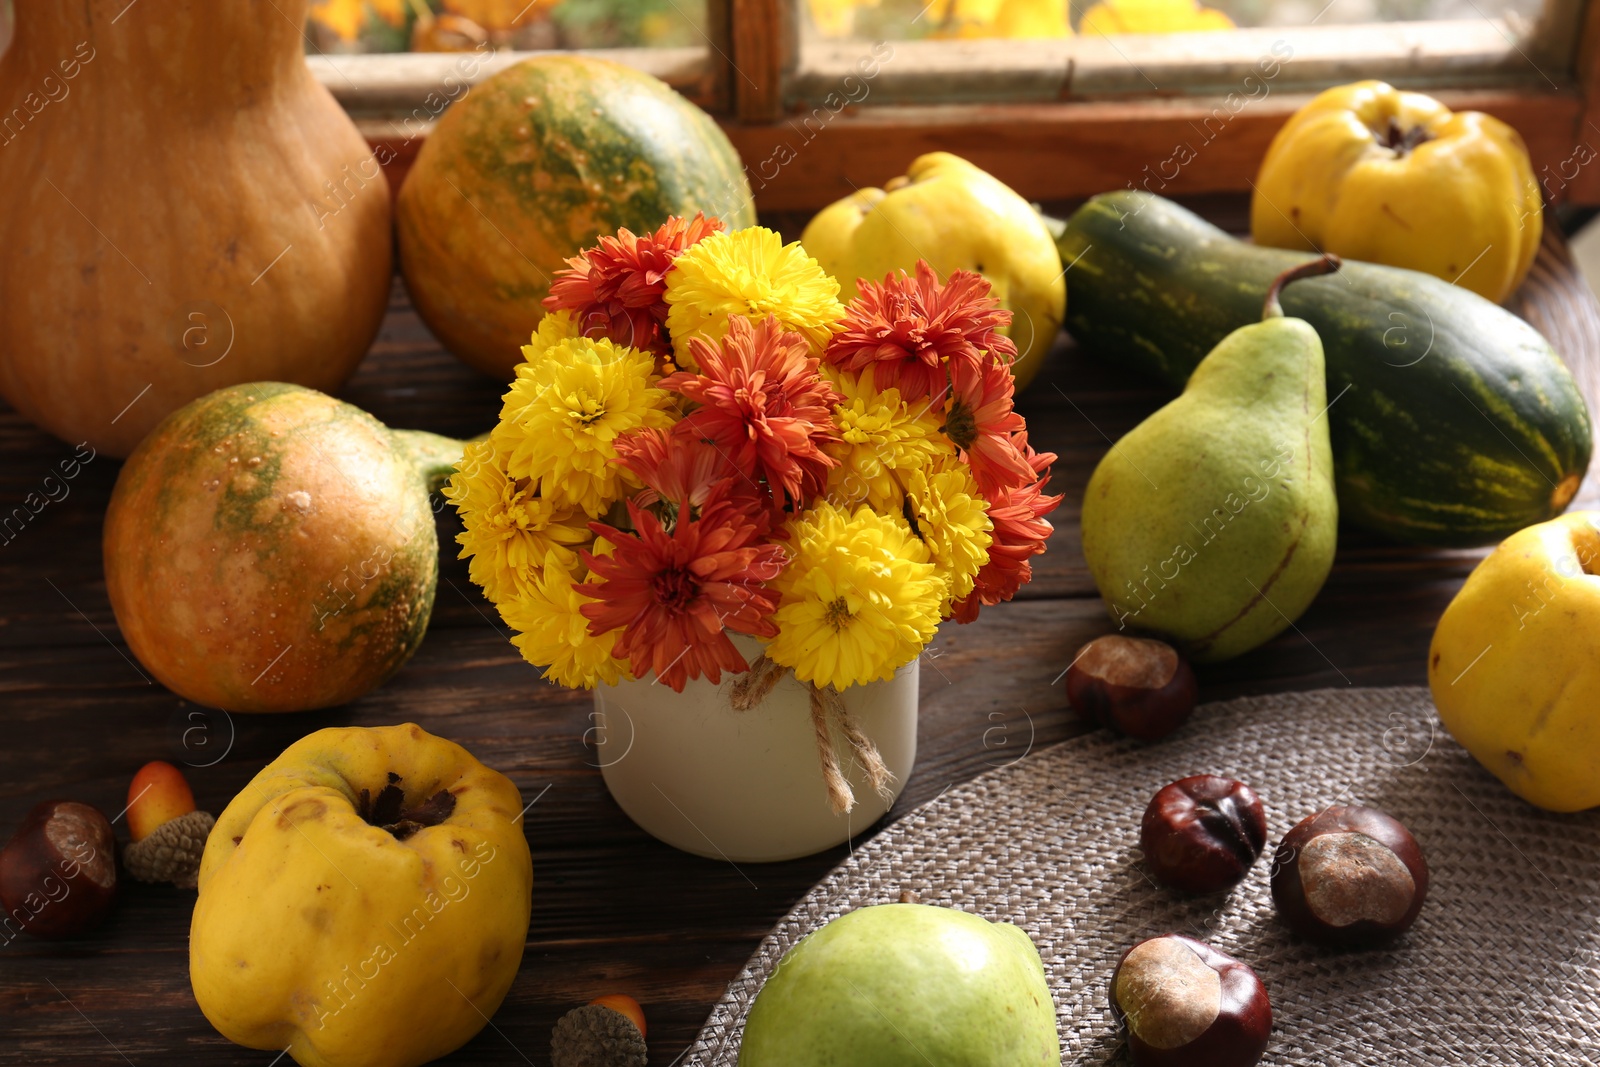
{"points": [[828, 716], [751, 688]]}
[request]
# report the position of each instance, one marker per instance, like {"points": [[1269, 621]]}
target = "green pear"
{"points": [[905, 985], [1213, 522]]}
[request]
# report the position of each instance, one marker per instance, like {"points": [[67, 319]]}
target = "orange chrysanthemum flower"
{"points": [[671, 594], [980, 422], [1020, 532], [907, 329], [616, 288], [765, 405]]}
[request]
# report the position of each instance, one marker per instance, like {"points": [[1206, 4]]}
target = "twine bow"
{"points": [[828, 714]]}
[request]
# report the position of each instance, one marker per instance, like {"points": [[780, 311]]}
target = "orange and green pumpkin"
{"points": [[535, 164], [270, 548]]}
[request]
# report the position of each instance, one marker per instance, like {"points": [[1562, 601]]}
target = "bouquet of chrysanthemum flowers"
{"points": [[703, 440]]}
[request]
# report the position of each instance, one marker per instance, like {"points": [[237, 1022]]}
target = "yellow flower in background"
{"points": [[510, 534], [1111, 17], [555, 327], [554, 634], [836, 18], [1032, 18], [952, 519], [880, 436], [859, 598], [1001, 18], [564, 412], [391, 11], [501, 14], [962, 12], [751, 273], [347, 18]]}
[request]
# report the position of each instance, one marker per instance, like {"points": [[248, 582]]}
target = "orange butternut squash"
{"points": [[182, 207]]}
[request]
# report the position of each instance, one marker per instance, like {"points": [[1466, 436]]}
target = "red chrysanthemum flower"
{"points": [[980, 422], [674, 594], [616, 288], [1041, 462], [907, 329], [691, 472], [1020, 531], [764, 404]]}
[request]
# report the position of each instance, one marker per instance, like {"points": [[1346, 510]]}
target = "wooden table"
{"points": [[613, 910]]}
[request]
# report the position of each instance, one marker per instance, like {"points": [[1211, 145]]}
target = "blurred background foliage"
{"points": [[459, 25], [910, 19], [463, 25]]}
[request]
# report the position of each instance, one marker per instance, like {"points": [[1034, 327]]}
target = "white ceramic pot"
{"points": [[745, 786]]}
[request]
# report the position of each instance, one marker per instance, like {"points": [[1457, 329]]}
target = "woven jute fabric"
{"points": [[1502, 967]]}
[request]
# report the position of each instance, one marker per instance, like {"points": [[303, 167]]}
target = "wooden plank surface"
{"points": [[614, 911]]}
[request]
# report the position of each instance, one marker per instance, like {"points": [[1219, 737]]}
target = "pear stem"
{"points": [[1326, 265]]}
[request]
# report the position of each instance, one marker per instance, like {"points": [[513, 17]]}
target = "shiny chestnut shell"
{"points": [[1349, 875], [1135, 685], [1186, 1004], [1203, 833], [58, 873]]}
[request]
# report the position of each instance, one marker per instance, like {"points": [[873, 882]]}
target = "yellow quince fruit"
{"points": [[364, 901], [1513, 667], [1369, 172], [957, 217]]}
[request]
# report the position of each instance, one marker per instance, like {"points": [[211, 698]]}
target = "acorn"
{"points": [[169, 835], [606, 1032]]}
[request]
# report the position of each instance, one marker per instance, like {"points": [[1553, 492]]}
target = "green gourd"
{"points": [[1453, 421]]}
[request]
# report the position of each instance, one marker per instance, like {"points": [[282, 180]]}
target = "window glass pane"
{"points": [[346, 26], [993, 51], [970, 19]]}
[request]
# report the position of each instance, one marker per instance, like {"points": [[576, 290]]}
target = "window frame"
{"points": [[804, 148]]}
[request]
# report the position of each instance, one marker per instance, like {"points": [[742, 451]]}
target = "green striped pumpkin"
{"points": [[1454, 422], [269, 548], [534, 164]]}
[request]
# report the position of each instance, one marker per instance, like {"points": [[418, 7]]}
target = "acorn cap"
{"points": [[172, 852], [596, 1036]]}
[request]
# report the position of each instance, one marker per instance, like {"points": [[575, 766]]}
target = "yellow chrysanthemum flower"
{"points": [[554, 634], [555, 327], [860, 598], [882, 437], [564, 413], [951, 517], [510, 534], [754, 274]]}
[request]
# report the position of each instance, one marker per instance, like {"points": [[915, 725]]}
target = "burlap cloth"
{"points": [[1502, 967]]}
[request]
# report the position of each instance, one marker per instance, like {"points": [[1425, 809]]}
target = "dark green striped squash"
{"points": [[535, 164], [269, 548], [1453, 421]]}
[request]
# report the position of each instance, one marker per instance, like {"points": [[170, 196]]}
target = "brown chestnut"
{"points": [[1134, 685], [58, 873], [1349, 875], [1202, 834], [1187, 1005]]}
